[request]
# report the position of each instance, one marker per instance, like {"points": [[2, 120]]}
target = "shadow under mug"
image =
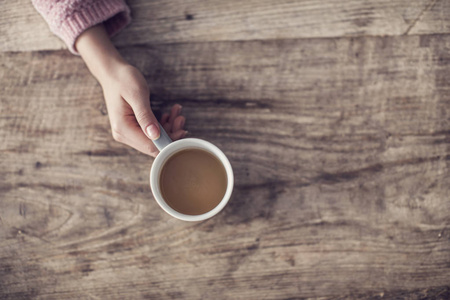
{"points": [[167, 148]]}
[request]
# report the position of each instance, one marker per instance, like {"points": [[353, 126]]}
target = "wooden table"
{"points": [[335, 116]]}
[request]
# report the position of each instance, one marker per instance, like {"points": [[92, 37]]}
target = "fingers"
{"points": [[137, 96], [173, 123], [164, 118], [131, 134], [175, 112], [178, 123], [178, 134], [146, 120], [167, 127]]}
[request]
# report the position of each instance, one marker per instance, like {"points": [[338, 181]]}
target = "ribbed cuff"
{"points": [[114, 13]]}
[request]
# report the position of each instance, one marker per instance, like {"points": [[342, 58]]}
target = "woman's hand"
{"points": [[132, 121], [126, 94]]}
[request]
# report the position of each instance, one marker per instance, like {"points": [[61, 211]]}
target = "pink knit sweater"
{"points": [[69, 18]]}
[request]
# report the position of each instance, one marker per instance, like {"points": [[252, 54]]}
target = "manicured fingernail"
{"points": [[153, 132]]}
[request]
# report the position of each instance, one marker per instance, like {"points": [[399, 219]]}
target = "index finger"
{"points": [[134, 137]]}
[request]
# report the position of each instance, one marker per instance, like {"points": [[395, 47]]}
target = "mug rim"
{"points": [[167, 152]]}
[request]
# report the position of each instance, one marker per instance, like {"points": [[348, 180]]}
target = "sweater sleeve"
{"points": [[69, 18]]}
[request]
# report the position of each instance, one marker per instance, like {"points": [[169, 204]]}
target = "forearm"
{"points": [[98, 52]]}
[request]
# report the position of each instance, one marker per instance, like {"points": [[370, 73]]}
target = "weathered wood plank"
{"points": [[434, 18], [341, 155], [175, 21]]}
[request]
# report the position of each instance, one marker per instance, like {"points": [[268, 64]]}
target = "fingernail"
{"points": [[179, 109], [182, 123], [185, 133], [153, 132]]}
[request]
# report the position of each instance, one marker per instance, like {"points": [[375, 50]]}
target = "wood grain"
{"points": [[341, 155], [181, 21], [434, 18]]}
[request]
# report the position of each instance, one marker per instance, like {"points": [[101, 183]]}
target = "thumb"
{"points": [[147, 121]]}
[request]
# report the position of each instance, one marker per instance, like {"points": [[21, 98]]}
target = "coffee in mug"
{"points": [[193, 181]]}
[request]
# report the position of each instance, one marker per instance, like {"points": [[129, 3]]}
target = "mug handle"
{"points": [[163, 139]]}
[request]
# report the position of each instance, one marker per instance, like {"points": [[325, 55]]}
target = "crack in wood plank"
{"points": [[413, 23]]}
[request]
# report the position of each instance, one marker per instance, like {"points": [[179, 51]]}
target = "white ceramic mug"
{"points": [[168, 148]]}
